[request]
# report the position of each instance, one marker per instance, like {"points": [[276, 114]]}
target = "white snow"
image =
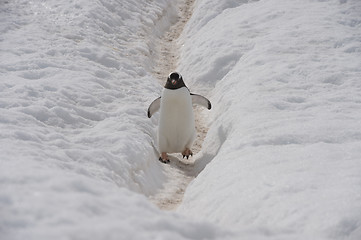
{"points": [[281, 160], [76, 146], [284, 143]]}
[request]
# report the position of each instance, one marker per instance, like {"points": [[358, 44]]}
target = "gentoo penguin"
{"points": [[176, 131]]}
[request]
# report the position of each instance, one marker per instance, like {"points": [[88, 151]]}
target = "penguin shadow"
{"points": [[184, 165]]}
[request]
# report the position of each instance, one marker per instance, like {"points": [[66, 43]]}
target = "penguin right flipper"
{"points": [[200, 100], [154, 107]]}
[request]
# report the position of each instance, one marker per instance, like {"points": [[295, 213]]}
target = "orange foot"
{"points": [[164, 158], [186, 153]]}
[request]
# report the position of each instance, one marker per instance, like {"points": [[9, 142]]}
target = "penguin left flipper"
{"points": [[200, 100], [154, 107]]}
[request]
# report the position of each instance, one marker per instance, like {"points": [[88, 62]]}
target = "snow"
{"points": [[281, 159], [69, 80], [76, 146], [284, 141]]}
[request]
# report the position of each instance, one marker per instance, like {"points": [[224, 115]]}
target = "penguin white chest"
{"points": [[176, 130]]}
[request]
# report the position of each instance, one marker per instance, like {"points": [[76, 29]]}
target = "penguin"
{"points": [[176, 130]]}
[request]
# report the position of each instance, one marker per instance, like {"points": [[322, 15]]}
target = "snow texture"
{"points": [[284, 144], [281, 160], [77, 154]]}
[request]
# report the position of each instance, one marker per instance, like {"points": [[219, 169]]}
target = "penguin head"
{"points": [[174, 81]]}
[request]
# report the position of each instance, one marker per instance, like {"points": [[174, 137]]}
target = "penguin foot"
{"points": [[164, 158], [186, 153]]}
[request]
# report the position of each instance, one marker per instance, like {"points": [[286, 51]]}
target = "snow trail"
{"points": [[166, 55], [179, 172]]}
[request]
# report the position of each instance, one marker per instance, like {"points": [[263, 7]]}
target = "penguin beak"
{"points": [[174, 82]]}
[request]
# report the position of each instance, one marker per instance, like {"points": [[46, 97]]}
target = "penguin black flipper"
{"points": [[154, 107], [200, 100]]}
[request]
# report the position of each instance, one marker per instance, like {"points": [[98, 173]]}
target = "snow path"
{"points": [[179, 172]]}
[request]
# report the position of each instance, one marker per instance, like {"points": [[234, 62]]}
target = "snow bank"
{"points": [[284, 142], [75, 86], [75, 141]]}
